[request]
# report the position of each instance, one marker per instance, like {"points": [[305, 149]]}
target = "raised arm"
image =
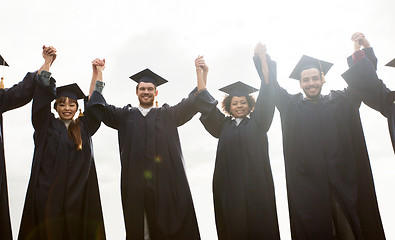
{"points": [[211, 118], [97, 73], [94, 115], [362, 78], [261, 52], [264, 108], [22, 93], [44, 92], [49, 55], [201, 73], [280, 96], [359, 40], [97, 108]]}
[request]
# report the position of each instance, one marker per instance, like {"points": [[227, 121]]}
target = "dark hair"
{"points": [[74, 127], [228, 99]]}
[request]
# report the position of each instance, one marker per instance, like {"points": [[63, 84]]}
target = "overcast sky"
{"points": [[167, 36]]}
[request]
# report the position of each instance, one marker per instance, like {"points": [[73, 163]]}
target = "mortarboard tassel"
{"points": [[323, 77], [2, 83], [322, 73], [81, 114]]}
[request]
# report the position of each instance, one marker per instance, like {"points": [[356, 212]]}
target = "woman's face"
{"points": [[239, 107], [67, 109]]}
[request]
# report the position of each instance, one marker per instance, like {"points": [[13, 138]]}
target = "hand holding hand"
{"points": [[98, 65], [359, 40], [49, 54], [260, 50], [200, 63], [201, 72]]}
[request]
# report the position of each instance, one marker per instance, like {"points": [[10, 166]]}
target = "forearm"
{"points": [[200, 79], [46, 66], [97, 76], [265, 68]]}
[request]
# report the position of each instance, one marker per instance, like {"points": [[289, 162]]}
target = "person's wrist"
{"points": [[262, 55]]}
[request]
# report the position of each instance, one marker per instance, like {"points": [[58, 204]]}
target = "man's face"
{"points": [[311, 83], [146, 93]]}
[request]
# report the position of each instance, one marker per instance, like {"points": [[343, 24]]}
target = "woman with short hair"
{"points": [[243, 189]]}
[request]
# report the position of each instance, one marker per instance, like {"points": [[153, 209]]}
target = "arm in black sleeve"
{"points": [[41, 107], [369, 53], [279, 96], [264, 108], [94, 115], [108, 114], [19, 94], [212, 118], [184, 110], [362, 79]]}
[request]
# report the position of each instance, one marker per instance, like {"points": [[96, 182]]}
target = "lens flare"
{"points": [[148, 174]]}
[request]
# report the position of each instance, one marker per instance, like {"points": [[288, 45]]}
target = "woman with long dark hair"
{"points": [[62, 200]]}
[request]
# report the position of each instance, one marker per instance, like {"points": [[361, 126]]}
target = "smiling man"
{"points": [[331, 194], [156, 199]]}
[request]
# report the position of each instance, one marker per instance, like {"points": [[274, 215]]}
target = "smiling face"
{"points": [[311, 83], [146, 93], [239, 107], [66, 108]]}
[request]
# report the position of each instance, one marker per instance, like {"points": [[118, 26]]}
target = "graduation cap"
{"points": [[3, 62], [148, 76], [391, 63], [72, 91], [307, 62], [238, 89]]}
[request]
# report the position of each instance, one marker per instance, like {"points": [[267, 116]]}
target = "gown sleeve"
{"points": [[278, 95], [212, 118], [41, 107], [369, 53], [362, 78], [19, 94], [264, 107], [108, 114], [94, 115], [183, 111]]}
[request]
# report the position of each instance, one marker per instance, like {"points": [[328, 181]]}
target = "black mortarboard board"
{"points": [[238, 89], [3, 62], [307, 62], [148, 76], [72, 91], [391, 63]]}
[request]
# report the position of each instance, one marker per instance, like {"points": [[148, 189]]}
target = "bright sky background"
{"points": [[167, 36]]}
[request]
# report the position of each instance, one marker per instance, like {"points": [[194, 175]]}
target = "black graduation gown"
{"points": [[325, 156], [62, 200], [243, 189], [153, 177], [391, 118], [362, 76], [14, 97]]}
